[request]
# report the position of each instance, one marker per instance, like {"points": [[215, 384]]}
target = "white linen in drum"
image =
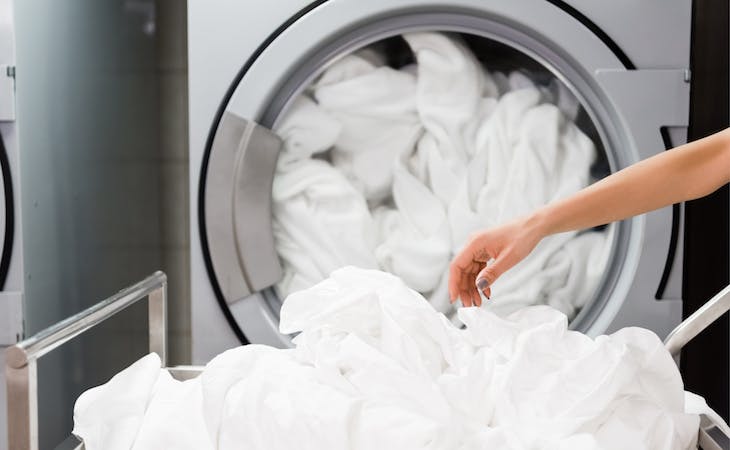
{"points": [[428, 155]]}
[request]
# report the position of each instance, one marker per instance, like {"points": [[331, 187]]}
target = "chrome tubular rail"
{"points": [[21, 358], [698, 321]]}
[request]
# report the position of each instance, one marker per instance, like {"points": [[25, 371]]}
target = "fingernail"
{"points": [[482, 284]]}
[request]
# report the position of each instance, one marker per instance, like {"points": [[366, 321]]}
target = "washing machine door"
{"points": [[7, 214], [240, 156], [238, 207], [7, 119]]}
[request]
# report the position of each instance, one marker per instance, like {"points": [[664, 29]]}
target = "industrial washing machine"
{"points": [[11, 277], [626, 63]]}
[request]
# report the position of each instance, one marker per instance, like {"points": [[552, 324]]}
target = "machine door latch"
{"points": [[7, 93]]}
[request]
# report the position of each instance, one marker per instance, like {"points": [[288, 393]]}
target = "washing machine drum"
{"points": [[397, 135]]}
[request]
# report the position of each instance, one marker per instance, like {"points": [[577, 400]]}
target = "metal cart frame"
{"points": [[21, 359]]}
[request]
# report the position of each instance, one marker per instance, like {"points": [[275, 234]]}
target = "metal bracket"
{"points": [[698, 321], [647, 101], [7, 93], [11, 318]]}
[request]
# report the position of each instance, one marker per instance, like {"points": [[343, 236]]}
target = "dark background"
{"points": [[705, 361]]}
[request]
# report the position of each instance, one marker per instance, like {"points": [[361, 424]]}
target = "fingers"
{"points": [[460, 265], [484, 281], [473, 294], [461, 284], [475, 300], [458, 283], [463, 271], [489, 274], [466, 300], [465, 290], [454, 280]]}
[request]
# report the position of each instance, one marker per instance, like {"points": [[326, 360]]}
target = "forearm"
{"points": [[684, 173]]}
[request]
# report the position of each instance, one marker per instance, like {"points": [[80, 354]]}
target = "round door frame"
{"points": [[9, 235], [226, 100]]}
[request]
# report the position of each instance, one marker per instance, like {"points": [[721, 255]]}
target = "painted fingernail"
{"points": [[482, 284]]}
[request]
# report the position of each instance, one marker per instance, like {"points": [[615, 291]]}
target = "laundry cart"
{"points": [[21, 361]]}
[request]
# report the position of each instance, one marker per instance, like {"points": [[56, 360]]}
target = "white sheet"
{"points": [[320, 223], [414, 240], [307, 130], [432, 153], [375, 367], [376, 107]]}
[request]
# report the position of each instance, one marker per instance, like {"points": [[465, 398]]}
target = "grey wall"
{"points": [[101, 113]]}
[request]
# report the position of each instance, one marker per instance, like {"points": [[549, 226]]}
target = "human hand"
{"points": [[504, 246]]}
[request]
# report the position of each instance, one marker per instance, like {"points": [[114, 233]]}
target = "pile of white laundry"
{"points": [[376, 367], [393, 169]]}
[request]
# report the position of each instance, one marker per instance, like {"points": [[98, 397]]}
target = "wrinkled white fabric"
{"points": [[437, 150], [306, 131], [450, 86], [375, 366], [115, 428], [415, 241], [376, 107], [142, 407], [320, 223]]}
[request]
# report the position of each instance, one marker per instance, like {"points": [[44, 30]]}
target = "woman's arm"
{"points": [[684, 173]]}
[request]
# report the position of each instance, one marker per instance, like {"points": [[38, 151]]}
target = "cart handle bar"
{"points": [[21, 358], [698, 321]]}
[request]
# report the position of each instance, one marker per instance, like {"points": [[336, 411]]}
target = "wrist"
{"points": [[537, 224]]}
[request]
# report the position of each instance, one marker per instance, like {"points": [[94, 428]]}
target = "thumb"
{"points": [[489, 274]]}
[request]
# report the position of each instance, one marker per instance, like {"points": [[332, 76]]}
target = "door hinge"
{"points": [[7, 93]]}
